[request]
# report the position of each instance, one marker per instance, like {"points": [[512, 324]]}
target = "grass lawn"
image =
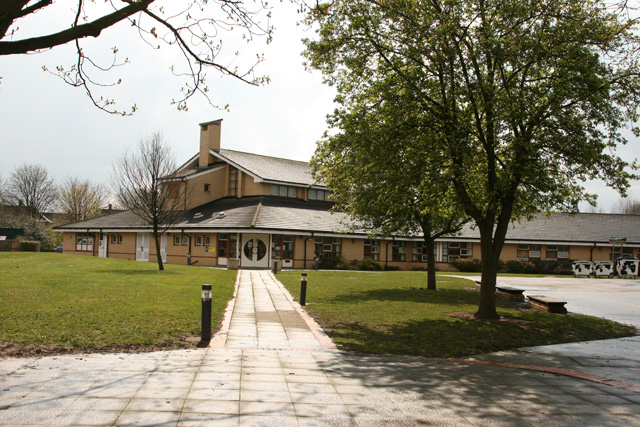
{"points": [[394, 313], [59, 303]]}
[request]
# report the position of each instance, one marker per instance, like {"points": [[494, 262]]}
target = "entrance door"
{"points": [[142, 247], [255, 250], [102, 248]]}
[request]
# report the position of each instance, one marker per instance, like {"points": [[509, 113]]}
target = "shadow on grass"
{"points": [[126, 272], [411, 294]]}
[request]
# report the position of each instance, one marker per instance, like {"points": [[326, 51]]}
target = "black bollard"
{"points": [[206, 314], [303, 289]]}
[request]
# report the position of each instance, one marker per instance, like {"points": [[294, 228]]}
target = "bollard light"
{"points": [[206, 296], [303, 289]]}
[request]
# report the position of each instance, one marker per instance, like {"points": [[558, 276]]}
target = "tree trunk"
{"points": [[490, 257], [156, 237], [431, 262]]}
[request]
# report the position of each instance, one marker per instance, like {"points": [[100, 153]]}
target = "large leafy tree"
{"points": [[198, 29], [381, 172], [138, 186], [527, 99]]}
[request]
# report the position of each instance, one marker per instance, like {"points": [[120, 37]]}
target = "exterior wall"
{"points": [[251, 188], [215, 179], [124, 250], [352, 248]]}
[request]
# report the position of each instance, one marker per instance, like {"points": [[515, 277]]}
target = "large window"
{"points": [[528, 253], [556, 252], [372, 249], [319, 194], [233, 181], [419, 251], [452, 251], [228, 245], [327, 247], [282, 246], [284, 191], [84, 241], [618, 251], [399, 251]]}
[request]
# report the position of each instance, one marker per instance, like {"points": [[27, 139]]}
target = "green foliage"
{"points": [[539, 267], [393, 313], [28, 246], [103, 303], [514, 103], [369, 265]]}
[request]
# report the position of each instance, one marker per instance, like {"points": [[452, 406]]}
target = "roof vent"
{"points": [[221, 215], [198, 215]]}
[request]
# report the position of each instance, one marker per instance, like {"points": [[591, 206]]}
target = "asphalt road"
{"points": [[614, 299]]}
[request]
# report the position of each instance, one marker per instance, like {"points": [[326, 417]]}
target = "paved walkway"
{"points": [[270, 366]]}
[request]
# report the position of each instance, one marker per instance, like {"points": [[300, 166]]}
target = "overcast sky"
{"points": [[45, 121]]}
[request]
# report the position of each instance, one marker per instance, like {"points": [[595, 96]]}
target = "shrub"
{"points": [[29, 246], [332, 263], [468, 266], [369, 265]]}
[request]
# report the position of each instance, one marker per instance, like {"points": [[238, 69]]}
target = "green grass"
{"points": [[394, 313], [97, 303]]}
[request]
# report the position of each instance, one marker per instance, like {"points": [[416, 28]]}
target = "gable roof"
{"points": [[272, 169]]}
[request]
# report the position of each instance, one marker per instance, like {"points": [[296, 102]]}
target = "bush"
{"points": [[369, 265], [332, 263], [28, 246], [468, 266], [539, 267]]}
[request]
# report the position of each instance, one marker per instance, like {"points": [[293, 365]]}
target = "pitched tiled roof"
{"points": [[294, 215], [270, 168]]}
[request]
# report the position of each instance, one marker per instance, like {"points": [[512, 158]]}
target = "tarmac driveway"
{"points": [[614, 299]]}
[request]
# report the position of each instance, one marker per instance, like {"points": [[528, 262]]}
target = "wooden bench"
{"points": [[550, 305], [509, 292]]}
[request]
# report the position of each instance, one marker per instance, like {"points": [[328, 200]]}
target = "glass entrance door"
{"points": [[255, 250]]}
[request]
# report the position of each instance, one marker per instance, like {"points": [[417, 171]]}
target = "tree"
{"points": [[80, 200], [192, 27], [138, 186], [627, 206], [527, 98], [30, 185], [380, 173]]}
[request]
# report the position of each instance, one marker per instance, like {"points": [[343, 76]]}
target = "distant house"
{"points": [[256, 209]]}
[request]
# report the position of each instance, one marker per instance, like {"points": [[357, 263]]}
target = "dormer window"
{"points": [[284, 191], [318, 194]]}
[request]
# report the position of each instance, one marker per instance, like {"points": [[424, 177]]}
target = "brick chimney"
{"points": [[209, 140]]}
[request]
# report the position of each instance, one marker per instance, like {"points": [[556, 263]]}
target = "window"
{"points": [[372, 249], [227, 245], [457, 250], [327, 247], [198, 240], [174, 190], [119, 239], [284, 191], [618, 251], [233, 181], [528, 253], [84, 241], [282, 246], [114, 239], [185, 240], [399, 251], [207, 240], [318, 194], [207, 188], [176, 240], [555, 252]]}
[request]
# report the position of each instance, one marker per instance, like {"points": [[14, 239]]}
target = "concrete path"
{"points": [[272, 367]]}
